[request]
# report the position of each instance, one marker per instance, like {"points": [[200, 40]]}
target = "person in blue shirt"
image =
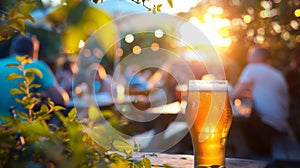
{"points": [[23, 45]]}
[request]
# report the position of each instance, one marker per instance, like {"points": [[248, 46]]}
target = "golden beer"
{"points": [[208, 115]]}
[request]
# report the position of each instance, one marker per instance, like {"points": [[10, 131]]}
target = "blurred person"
{"points": [[102, 81], [269, 92], [135, 79], [176, 72], [36, 47], [64, 76], [292, 75], [20, 46], [98, 80], [165, 82]]}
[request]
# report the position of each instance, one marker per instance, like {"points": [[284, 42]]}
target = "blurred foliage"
{"points": [[272, 23], [80, 21], [72, 21], [28, 140], [13, 14]]}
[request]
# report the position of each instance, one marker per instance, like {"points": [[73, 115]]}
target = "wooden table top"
{"points": [[187, 161]]}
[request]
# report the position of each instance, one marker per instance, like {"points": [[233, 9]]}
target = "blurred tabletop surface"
{"points": [[187, 161]]}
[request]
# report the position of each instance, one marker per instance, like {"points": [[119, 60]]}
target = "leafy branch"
{"points": [[30, 99], [13, 19], [31, 143]]}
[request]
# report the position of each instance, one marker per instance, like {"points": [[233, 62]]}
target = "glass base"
{"points": [[213, 166]]}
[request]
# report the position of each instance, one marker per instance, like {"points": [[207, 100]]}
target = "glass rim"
{"points": [[207, 85]]}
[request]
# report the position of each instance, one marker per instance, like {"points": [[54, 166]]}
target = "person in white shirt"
{"points": [[269, 92]]}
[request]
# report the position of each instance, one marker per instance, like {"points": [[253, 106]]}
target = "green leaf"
{"points": [[154, 9], [99, 128], [61, 117], [35, 71], [158, 7], [167, 166], [107, 113], [22, 87], [29, 102], [94, 113], [170, 3], [40, 113], [13, 76], [21, 58], [72, 114], [115, 156], [101, 138], [29, 77], [26, 61], [35, 128], [26, 15], [146, 163], [137, 146], [13, 13], [18, 100], [35, 86], [13, 66], [16, 91], [122, 146], [22, 115], [44, 108], [50, 103], [59, 108]]}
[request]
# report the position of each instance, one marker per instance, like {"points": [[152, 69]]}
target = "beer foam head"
{"points": [[207, 85]]}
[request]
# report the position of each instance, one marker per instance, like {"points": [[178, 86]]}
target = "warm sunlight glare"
{"points": [[214, 29]]}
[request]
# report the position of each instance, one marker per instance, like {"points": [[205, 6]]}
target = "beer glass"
{"points": [[208, 116]]}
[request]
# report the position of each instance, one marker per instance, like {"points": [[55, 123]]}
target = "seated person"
{"points": [[64, 76], [98, 80], [292, 76], [102, 81], [270, 101], [20, 46], [135, 78]]}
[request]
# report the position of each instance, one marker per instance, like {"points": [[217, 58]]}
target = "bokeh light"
{"points": [[129, 38], [247, 18], [285, 35], [237, 102], [97, 52], [87, 52], [136, 50], [155, 46], [266, 4], [297, 12], [261, 31], [294, 24], [259, 39], [158, 33], [276, 27], [81, 44], [298, 38], [119, 52]]}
